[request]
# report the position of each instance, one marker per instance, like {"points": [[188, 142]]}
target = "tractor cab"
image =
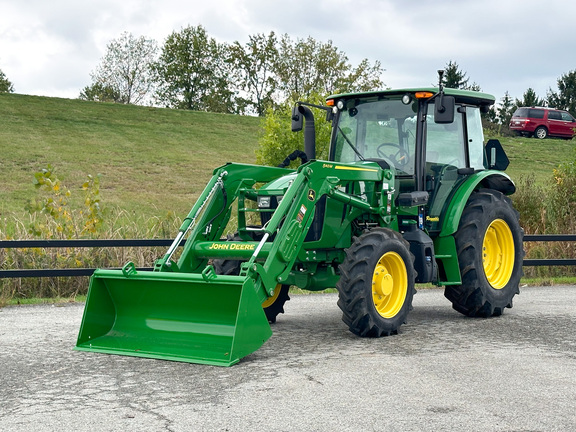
{"points": [[433, 140]]}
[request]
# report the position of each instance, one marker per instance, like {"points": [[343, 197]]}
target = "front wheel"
{"points": [[376, 284], [490, 253]]}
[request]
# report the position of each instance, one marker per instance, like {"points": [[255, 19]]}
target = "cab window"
{"points": [[444, 142], [377, 129]]}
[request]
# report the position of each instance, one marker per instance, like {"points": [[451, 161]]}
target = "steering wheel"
{"points": [[398, 156]]}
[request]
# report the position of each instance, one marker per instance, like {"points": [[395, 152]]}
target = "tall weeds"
{"points": [[51, 216], [549, 209]]}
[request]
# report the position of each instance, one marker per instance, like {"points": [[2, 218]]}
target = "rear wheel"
{"points": [[376, 284], [541, 132], [272, 306], [490, 253]]}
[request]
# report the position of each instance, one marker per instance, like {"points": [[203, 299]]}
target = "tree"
{"points": [[364, 77], [125, 70], [277, 140], [504, 111], [5, 84], [455, 78], [253, 66], [529, 99], [309, 71], [565, 98], [193, 72], [98, 92], [306, 66]]}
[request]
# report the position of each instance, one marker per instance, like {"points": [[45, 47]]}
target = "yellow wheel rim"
{"points": [[270, 300], [389, 284], [498, 253]]}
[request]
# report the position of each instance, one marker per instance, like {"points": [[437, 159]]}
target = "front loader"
{"points": [[408, 194]]}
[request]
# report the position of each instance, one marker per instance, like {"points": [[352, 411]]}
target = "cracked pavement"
{"points": [[443, 372]]}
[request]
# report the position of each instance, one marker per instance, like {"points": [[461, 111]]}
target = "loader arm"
{"points": [[185, 311], [292, 219], [209, 217]]}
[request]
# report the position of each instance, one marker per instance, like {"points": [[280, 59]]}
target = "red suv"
{"points": [[543, 122]]}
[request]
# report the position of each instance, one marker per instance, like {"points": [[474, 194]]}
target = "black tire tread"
{"points": [[354, 286], [475, 297]]}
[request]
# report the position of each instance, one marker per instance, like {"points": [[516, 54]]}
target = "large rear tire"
{"points": [[376, 283], [490, 253]]}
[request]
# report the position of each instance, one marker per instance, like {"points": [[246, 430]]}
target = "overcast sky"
{"points": [[49, 48]]}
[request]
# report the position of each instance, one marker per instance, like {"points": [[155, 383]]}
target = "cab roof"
{"points": [[461, 96]]}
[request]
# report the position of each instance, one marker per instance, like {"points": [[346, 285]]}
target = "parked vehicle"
{"points": [[543, 122]]}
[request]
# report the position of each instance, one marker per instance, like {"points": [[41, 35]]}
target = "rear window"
{"points": [[529, 113], [521, 112]]}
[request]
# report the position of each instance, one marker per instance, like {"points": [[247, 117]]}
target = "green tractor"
{"points": [[409, 194]]}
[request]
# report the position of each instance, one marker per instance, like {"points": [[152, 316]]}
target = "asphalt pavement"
{"points": [[443, 372]]}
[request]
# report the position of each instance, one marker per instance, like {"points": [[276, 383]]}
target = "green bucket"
{"points": [[173, 316]]}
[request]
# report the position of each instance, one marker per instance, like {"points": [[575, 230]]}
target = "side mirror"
{"points": [[496, 156], [297, 120], [444, 109]]}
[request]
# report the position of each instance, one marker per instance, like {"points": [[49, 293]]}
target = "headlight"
{"points": [[263, 201]]}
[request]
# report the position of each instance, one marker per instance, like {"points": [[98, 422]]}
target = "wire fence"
{"points": [[39, 273]]}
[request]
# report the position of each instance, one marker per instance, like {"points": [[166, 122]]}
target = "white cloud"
{"points": [[49, 48]]}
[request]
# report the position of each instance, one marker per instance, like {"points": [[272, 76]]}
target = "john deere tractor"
{"points": [[409, 194]]}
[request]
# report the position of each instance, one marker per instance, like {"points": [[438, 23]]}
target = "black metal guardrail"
{"points": [[24, 273]]}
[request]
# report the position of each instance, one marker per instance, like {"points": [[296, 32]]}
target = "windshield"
{"points": [[377, 129]]}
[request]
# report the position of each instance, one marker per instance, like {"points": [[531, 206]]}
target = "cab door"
{"points": [[445, 155], [453, 152]]}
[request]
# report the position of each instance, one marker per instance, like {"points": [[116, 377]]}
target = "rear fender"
{"points": [[444, 244], [489, 179]]}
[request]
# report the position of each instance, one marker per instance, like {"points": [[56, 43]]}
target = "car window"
{"points": [[554, 115], [520, 112], [567, 117], [536, 113]]}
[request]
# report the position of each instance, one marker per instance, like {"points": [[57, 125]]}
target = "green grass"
{"points": [[155, 160], [531, 156], [152, 160]]}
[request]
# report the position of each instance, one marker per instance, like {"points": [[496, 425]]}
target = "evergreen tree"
{"points": [[529, 99], [456, 78]]}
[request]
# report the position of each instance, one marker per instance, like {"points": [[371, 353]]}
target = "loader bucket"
{"points": [[173, 316]]}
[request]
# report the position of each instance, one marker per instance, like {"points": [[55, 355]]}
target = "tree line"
{"points": [[191, 70]]}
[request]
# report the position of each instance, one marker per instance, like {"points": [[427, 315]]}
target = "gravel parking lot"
{"points": [[444, 372]]}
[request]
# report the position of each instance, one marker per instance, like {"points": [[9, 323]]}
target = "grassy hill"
{"points": [[152, 160], [155, 160]]}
